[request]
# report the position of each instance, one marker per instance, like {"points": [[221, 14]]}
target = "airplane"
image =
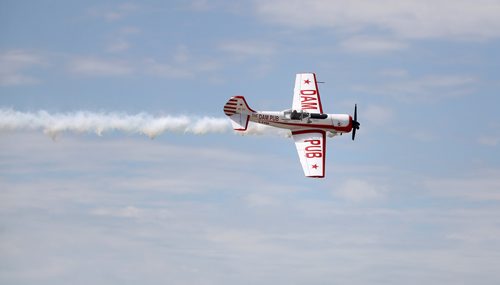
{"points": [[306, 121]]}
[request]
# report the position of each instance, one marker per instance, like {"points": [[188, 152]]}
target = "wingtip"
{"points": [[316, 176]]}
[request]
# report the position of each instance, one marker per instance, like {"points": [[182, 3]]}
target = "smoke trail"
{"points": [[258, 129], [100, 123]]}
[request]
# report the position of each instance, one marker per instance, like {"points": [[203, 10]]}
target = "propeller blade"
{"points": [[355, 124]]}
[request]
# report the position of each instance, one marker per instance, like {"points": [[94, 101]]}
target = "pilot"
{"points": [[295, 115]]}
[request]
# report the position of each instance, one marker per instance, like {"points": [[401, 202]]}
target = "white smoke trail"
{"points": [[100, 123], [258, 129]]}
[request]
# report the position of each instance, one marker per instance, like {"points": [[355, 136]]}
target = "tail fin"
{"points": [[239, 112]]}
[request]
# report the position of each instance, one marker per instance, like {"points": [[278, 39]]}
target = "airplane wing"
{"points": [[306, 94], [311, 147]]}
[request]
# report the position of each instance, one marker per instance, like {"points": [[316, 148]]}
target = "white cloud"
{"points": [[427, 88], [116, 13], [118, 46], [92, 66], [483, 186], [356, 190], [233, 7], [248, 48], [394, 72], [15, 63], [377, 115], [476, 234], [167, 70], [182, 55], [121, 40], [371, 45], [66, 211], [130, 30], [461, 19], [373, 117], [489, 140], [126, 212], [181, 65], [245, 242], [200, 5], [260, 200], [19, 58], [423, 135], [11, 79]]}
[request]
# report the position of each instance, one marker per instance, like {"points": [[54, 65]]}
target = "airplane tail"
{"points": [[239, 112]]}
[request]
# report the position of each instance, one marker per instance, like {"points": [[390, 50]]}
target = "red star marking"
{"points": [[307, 81], [315, 166]]}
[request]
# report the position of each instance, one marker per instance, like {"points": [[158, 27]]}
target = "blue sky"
{"points": [[415, 199]]}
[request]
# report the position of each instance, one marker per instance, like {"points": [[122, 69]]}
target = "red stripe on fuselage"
{"points": [[314, 126]]}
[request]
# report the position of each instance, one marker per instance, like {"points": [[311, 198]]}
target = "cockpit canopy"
{"points": [[300, 115], [295, 115]]}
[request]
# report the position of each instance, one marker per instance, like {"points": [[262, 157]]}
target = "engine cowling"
{"points": [[341, 122]]}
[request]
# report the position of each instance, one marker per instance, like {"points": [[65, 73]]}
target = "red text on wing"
{"points": [[314, 149]]}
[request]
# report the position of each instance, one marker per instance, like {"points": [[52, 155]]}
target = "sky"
{"points": [[415, 199]]}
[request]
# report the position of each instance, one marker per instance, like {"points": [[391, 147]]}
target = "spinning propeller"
{"points": [[355, 123]]}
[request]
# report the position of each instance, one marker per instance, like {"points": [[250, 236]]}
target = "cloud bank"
{"points": [[460, 19]]}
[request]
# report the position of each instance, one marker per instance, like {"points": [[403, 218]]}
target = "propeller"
{"points": [[355, 123]]}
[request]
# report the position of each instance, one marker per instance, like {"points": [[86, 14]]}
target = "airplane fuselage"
{"points": [[294, 121]]}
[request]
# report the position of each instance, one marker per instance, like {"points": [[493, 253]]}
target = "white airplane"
{"points": [[306, 120]]}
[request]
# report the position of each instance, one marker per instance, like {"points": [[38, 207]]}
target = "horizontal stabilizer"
{"points": [[239, 121]]}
